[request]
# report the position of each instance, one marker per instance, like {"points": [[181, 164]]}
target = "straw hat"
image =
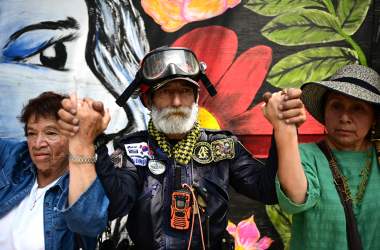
{"points": [[352, 80]]}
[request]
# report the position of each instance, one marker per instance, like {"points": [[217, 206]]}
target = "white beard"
{"points": [[175, 120]]}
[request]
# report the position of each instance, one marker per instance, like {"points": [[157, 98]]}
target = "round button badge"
{"points": [[156, 167]]}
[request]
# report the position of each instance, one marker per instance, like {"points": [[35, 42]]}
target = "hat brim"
{"points": [[313, 92], [163, 83]]}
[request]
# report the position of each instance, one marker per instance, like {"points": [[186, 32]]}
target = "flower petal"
{"points": [[194, 10], [208, 49], [311, 126], [233, 3], [231, 228], [165, 13], [239, 85], [247, 232], [251, 122], [264, 243], [173, 14]]}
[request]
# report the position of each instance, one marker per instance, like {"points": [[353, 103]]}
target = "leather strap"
{"points": [[79, 242], [353, 237]]}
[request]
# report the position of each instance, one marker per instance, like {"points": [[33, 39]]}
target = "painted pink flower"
{"points": [[172, 15], [237, 80], [247, 236]]}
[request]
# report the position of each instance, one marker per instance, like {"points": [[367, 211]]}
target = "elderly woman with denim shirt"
{"points": [[332, 188], [38, 210]]}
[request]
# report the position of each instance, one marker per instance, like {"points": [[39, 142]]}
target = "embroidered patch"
{"points": [[139, 161], [117, 158], [138, 150], [223, 149], [202, 152]]}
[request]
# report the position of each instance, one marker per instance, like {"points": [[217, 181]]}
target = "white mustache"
{"points": [[175, 120], [181, 111]]}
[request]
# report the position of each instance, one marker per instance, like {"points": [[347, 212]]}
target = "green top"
{"points": [[320, 222]]}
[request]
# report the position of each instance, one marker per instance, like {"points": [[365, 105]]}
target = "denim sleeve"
{"points": [[88, 215], [9, 148], [3, 152]]}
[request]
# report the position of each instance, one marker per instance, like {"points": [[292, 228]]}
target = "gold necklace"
{"points": [[364, 173], [37, 197]]}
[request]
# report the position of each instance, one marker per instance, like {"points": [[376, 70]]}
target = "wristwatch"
{"points": [[83, 159]]}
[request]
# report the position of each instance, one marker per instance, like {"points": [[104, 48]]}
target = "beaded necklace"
{"points": [[183, 150], [364, 173]]}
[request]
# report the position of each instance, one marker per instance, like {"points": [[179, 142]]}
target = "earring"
{"points": [[373, 136]]}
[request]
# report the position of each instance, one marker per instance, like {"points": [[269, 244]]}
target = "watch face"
{"points": [[156, 167]]}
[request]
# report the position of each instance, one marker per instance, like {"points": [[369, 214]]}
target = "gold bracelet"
{"points": [[82, 159]]}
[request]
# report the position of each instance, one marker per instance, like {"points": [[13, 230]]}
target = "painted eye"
{"points": [[54, 56]]}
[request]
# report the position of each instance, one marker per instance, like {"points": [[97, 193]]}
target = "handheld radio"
{"points": [[180, 209]]}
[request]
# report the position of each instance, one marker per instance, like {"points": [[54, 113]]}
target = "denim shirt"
{"points": [[62, 224]]}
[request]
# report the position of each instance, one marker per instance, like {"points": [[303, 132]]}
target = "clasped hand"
{"points": [[84, 119], [284, 106]]}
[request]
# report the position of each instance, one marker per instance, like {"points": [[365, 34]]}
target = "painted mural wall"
{"points": [[89, 47], [93, 47]]}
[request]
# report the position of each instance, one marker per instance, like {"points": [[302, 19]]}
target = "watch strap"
{"points": [[83, 159]]}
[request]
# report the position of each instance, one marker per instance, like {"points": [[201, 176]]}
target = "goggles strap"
{"points": [[123, 98], [206, 82]]}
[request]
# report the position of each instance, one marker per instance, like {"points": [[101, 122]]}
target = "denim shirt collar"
{"points": [[27, 165], [61, 183]]}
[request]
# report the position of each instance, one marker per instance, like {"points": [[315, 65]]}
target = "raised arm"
{"points": [[121, 183], [82, 157], [290, 172]]}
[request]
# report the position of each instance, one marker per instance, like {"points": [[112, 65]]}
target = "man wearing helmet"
{"points": [[172, 179]]}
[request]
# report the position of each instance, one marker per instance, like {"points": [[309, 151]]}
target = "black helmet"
{"points": [[162, 65]]}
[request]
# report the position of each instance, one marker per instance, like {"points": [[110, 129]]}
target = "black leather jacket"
{"points": [[146, 197]]}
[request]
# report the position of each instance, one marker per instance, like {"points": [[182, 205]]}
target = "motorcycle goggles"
{"points": [[168, 62], [163, 64]]}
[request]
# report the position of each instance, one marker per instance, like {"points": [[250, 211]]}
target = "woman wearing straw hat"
{"points": [[332, 187]]}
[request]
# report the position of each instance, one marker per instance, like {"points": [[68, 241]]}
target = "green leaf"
{"points": [[309, 65], [301, 27], [351, 14], [281, 221], [274, 8]]}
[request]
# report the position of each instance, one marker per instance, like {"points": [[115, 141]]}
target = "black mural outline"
{"points": [[69, 23], [98, 34]]}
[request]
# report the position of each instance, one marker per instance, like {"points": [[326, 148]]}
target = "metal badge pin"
{"points": [[156, 167]]}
